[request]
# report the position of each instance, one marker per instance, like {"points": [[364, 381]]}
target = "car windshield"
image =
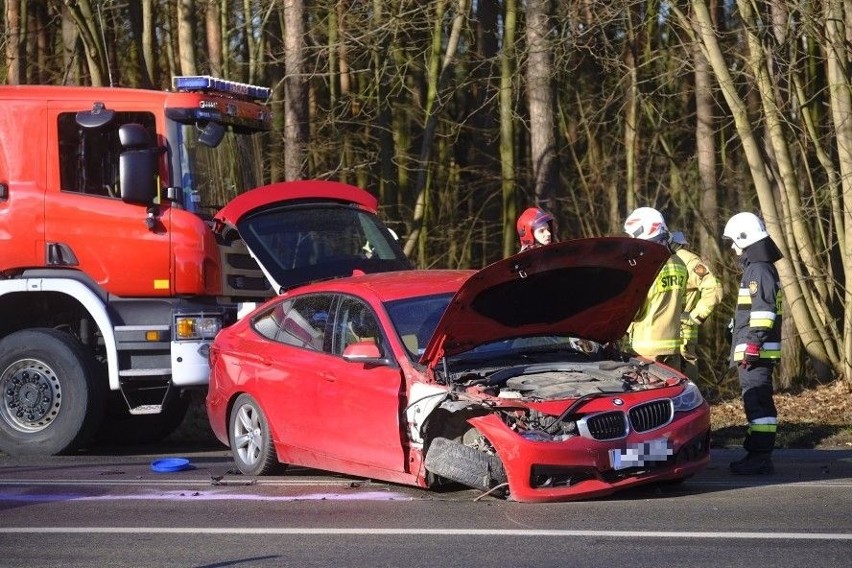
{"points": [[415, 320], [212, 175]]}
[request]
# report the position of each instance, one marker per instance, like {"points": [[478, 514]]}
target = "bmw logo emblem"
{"points": [[617, 401]]}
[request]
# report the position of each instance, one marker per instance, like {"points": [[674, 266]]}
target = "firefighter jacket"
{"points": [[655, 330], [758, 315], [703, 294]]}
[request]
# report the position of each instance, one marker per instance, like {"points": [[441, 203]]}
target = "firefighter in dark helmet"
{"points": [[756, 341]]}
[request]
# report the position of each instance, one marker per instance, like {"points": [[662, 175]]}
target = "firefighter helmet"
{"points": [[745, 229], [647, 223], [529, 221]]}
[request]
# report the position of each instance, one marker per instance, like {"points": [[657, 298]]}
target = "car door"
{"points": [[285, 369], [362, 402]]}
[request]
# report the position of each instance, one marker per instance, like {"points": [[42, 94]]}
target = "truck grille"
{"points": [[651, 415]]}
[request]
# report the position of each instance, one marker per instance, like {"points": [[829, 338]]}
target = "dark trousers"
{"points": [[756, 385]]}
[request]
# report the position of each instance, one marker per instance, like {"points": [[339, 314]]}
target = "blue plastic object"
{"points": [[168, 465]]}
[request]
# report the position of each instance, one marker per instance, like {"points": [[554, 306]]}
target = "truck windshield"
{"points": [[212, 175]]}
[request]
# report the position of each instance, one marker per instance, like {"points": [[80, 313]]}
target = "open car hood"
{"points": [[303, 231], [585, 288]]}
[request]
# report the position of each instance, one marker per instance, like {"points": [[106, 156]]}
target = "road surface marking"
{"points": [[431, 532]]}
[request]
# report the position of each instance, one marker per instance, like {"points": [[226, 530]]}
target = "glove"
{"points": [[751, 354]]}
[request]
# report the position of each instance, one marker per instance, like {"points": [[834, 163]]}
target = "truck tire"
{"points": [[50, 400], [121, 427]]}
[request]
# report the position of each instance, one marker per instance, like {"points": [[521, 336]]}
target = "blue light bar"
{"points": [[207, 84]]}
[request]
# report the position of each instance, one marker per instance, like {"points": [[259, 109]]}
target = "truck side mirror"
{"points": [[137, 165], [211, 134], [97, 117]]}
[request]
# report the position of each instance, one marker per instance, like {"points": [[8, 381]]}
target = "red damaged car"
{"points": [[502, 379]]}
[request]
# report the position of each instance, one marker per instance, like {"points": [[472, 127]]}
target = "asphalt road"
{"points": [[107, 509]]}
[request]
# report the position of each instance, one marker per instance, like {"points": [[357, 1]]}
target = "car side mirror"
{"points": [[365, 352]]}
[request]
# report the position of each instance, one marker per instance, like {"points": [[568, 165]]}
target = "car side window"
{"points": [[356, 323], [300, 322]]}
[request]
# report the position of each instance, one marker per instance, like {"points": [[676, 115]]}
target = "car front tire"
{"points": [[250, 438]]}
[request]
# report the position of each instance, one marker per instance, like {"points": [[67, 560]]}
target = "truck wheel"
{"points": [[121, 427], [50, 402]]}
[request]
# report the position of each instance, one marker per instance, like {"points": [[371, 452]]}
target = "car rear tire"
{"points": [[50, 399], [250, 438]]}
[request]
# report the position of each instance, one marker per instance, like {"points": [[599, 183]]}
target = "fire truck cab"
{"points": [[115, 271]]}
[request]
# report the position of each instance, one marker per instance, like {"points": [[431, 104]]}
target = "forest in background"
{"points": [[458, 114]]}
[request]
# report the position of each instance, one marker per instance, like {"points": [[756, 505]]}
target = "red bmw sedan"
{"points": [[504, 379]]}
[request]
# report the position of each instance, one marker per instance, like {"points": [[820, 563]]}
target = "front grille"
{"points": [[651, 415], [604, 426]]}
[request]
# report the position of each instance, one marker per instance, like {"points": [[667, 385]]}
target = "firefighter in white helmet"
{"points": [[703, 294], [756, 340], [655, 331]]}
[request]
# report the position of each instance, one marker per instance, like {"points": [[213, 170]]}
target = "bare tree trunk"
{"points": [[507, 127], [481, 172], [437, 77], [70, 53], [841, 105], [631, 115], [149, 47], [37, 28], [15, 63], [186, 37], [213, 28], [295, 91], [89, 27], [225, 47], [545, 165], [705, 131], [276, 80], [383, 129], [342, 87], [805, 320]]}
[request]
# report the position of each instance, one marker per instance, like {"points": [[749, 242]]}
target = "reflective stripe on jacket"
{"points": [[758, 316], [656, 329]]}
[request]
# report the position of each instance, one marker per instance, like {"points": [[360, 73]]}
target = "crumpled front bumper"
{"points": [[581, 468]]}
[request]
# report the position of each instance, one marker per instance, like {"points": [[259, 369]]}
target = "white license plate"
{"points": [[638, 455]]}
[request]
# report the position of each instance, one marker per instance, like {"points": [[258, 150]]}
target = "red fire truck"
{"points": [[131, 226]]}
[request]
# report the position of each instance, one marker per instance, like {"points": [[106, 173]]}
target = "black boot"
{"points": [[754, 464], [758, 459]]}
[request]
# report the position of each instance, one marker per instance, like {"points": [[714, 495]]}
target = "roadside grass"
{"points": [[813, 418]]}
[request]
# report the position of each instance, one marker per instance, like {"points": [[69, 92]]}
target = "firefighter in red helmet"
{"points": [[536, 228]]}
